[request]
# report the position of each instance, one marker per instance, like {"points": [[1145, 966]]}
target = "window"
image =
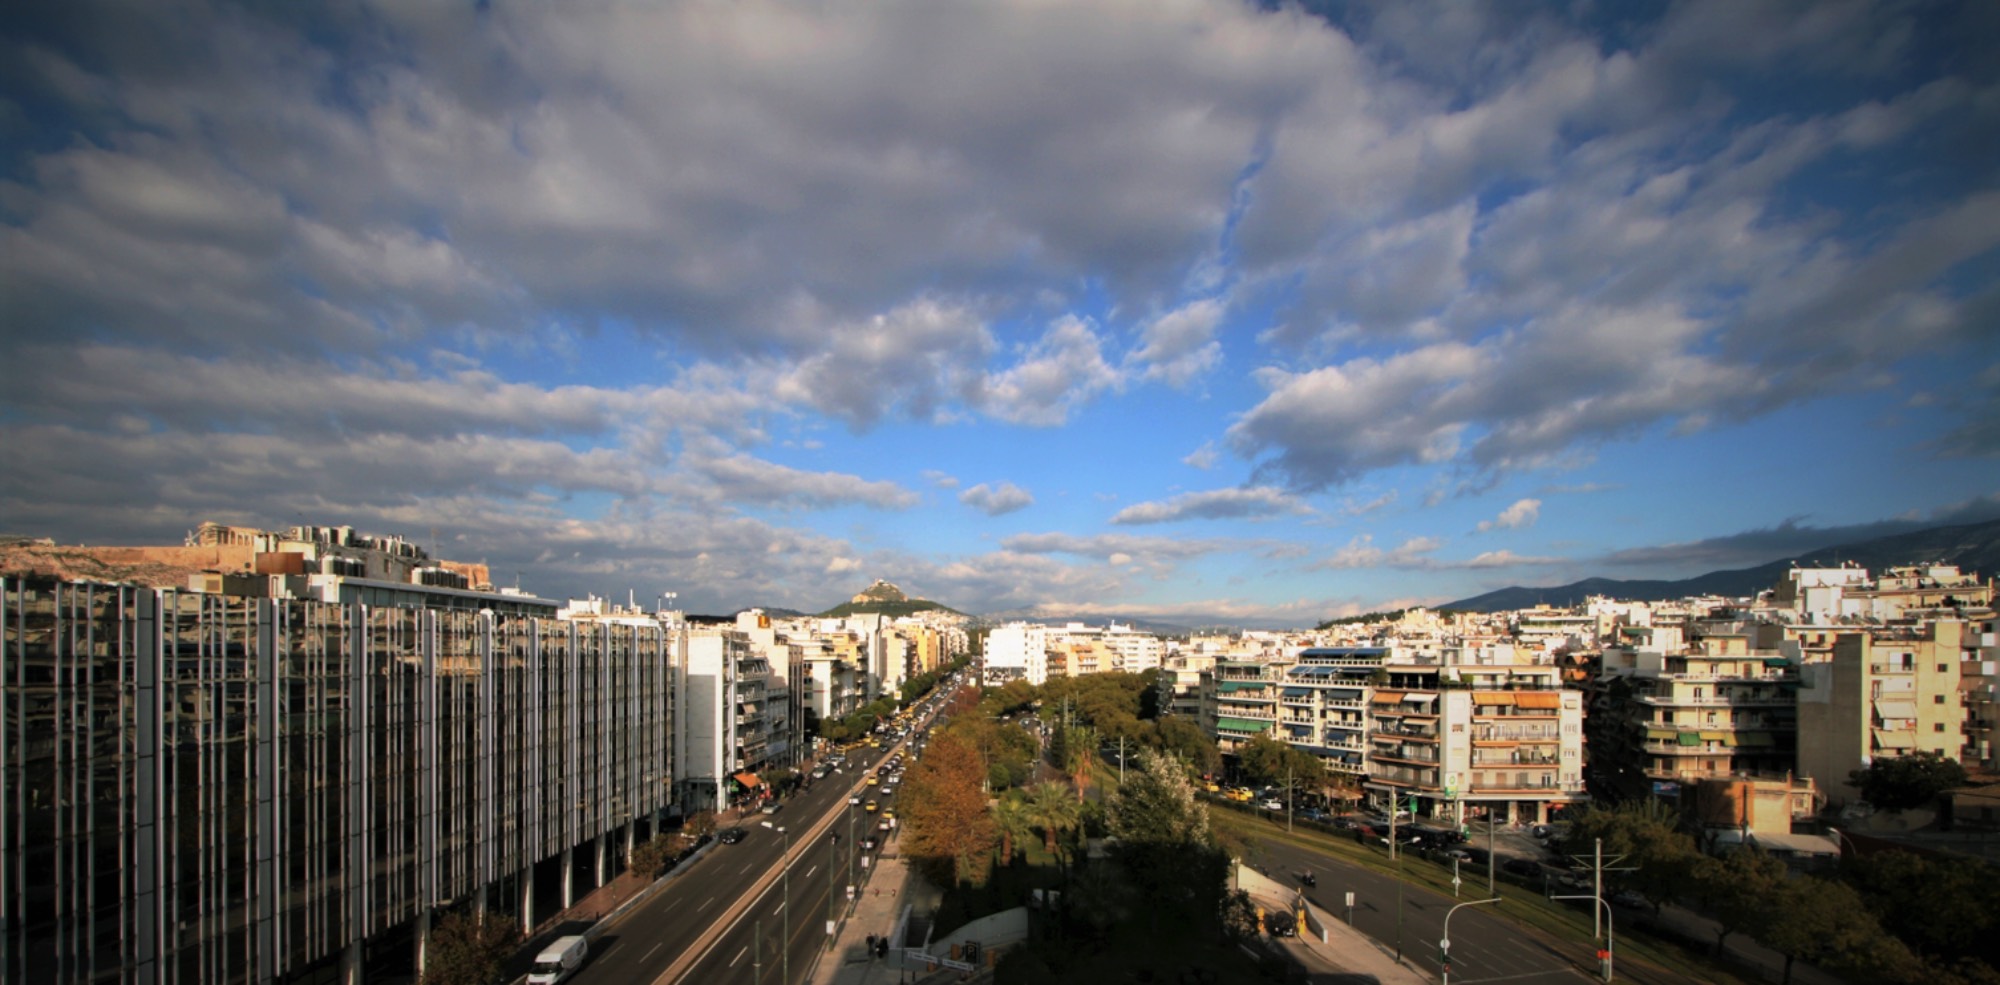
{"points": [[1944, 668], [1937, 699], [1939, 727]]}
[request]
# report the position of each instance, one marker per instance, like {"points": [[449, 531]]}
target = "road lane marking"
{"points": [[812, 870], [655, 950], [739, 956], [704, 904]]}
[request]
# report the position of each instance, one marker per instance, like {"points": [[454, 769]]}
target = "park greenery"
{"points": [[988, 816], [468, 949], [1890, 916], [1901, 783]]}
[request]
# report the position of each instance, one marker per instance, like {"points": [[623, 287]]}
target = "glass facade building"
{"points": [[209, 788]]}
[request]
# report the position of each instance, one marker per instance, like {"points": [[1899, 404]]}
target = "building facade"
{"points": [[216, 789]]}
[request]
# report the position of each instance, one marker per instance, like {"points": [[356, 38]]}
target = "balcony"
{"points": [[1405, 754]]}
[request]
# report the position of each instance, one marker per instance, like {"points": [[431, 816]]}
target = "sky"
{"points": [[1194, 311]]}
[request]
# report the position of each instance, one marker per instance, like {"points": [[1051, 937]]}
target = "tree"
{"points": [[1662, 858], [1736, 889], [650, 859], [1828, 924], [467, 950], [1165, 846], [1942, 909], [1013, 822], [1909, 781], [946, 824], [1268, 761], [1052, 809], [1178, 735]]}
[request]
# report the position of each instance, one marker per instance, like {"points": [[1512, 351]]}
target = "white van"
{"points": [[558, 961]]}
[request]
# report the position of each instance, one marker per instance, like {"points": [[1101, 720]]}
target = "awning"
{"points": [[1713, 736], [1226, 686], [747, 781], [1241, 725], [1690, 739], [1777, 661], [1895, 708], [1388, 697], [1414, 698], [1660, 733], [1539, 699], [1298, 692], [1889, 738], [1479, 699]]}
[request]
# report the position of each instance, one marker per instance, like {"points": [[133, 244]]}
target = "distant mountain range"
{"points": [[1972, 546]]}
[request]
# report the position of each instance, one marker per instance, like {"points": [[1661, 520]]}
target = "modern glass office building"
{"points": [[214, 788]]}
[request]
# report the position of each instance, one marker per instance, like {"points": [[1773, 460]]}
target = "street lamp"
{"points": [[1610, 935], [1444, 943], [784, 937]]}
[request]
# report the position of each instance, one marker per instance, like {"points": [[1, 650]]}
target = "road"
{"points": [[668, 938], [1485, 947]]}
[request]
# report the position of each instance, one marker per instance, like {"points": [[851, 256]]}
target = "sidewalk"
{"points": [[889, 886], [1345, 951]]}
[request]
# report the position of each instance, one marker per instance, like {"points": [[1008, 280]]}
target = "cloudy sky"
{"points": [[1198, 311]]}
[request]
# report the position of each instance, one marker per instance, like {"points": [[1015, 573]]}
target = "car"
{"points": [[1459, 854], [770, 808], [870, 807], [868, 844], [854, 801], [1346, 823], [891, 815], [1281, 923], [873, 780], [886, 826], [730, 836], [1272, 805], [1627, 897]]}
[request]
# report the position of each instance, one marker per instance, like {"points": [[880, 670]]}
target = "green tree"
{"points": [[467, 950], [1165, 846], [1736, 889], [1013, 822], [1662, 859], [1909, 781], [1053, 809], [1942, 909], [1180, 737], [1828, 924]]}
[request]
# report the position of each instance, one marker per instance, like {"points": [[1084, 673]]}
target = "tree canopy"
{"points": [[1909, 781]]}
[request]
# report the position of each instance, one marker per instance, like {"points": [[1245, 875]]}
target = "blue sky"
{"points": [[1193, 311]]}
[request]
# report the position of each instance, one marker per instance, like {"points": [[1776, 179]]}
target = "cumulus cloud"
{"points": [[995, 500], [1180, 346], [1523, 513], [1202, 458], [1060, 373], [1218, 504]]}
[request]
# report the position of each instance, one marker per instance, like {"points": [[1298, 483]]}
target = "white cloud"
{"points": [[996, 500], [1180, 346], [1219, 504], [1058, 375], [1202, 458], [1523, 513]]}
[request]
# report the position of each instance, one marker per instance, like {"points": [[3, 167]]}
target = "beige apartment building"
{"points": [[1887, 691]]}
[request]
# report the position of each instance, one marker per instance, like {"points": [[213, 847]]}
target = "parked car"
{"points": [[731, 836], [559, 960], [1627, 897], [1273, 805], [1281, 923]]}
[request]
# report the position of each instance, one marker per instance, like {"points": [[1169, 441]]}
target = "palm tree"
{"points": [[1053, 810], [1013, 818]]}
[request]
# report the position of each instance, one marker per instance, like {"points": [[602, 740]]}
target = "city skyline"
{"points": [[1192, 311]]}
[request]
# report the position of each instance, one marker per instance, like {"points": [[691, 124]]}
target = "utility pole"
{"points": [[1288, 796], [1489, 851], [1597, 871], [784, 926], [832, 866]]}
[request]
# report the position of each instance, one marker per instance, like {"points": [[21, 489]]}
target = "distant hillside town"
{"points": [[463, 741]]}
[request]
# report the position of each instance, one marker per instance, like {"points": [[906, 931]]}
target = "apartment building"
{"points": [[1244, 694], [1667, 712], [1886, 691], [213, 788]]}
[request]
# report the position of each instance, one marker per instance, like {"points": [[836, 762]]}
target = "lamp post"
{"points": [[1444, 943], [784, 926], [832, 866], [1604, 957]]}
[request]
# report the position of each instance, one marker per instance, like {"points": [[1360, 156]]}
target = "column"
{"points": [[568, 877]]}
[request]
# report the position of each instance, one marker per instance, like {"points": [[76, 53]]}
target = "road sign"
{"points": [[1350, 900]]}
